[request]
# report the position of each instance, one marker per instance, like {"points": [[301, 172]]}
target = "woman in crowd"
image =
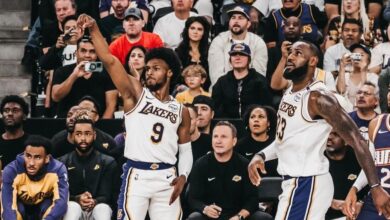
{"points": [[260, 122], [135, 62], [194, 47]]}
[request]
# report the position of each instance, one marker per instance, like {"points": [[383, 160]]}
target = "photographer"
{"points": [[85, 77], [353, 72]]}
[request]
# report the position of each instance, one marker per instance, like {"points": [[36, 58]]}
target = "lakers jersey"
{"points": [[151, 130], [382, 151], [301, 140]]}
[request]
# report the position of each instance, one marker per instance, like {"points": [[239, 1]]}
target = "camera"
{"points": [[94, 67], [356, 56]]}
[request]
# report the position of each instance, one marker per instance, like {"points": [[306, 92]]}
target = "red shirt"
{"points": [[121, 46]]}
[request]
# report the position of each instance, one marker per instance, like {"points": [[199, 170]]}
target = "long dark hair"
{"points": [[271, 116], [184, 47]]}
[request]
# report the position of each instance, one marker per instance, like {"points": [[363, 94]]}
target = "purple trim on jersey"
{"points": [[301, 198]]}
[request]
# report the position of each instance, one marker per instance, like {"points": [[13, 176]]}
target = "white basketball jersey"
{"points": [[300, 140], [151, 130]]}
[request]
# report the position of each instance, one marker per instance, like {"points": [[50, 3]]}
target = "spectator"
{"points": [[383, 84], [344, 169], [72, 82], [372, 8], [240, 87], [381, 55], [217, 173], [194, 47], [366, 102], [219, 58], [112, 24], [351, 33], [292, 31], [63, 141], [348, 83], [260, 123], [135, 62], [64, 51], [35, 184], [91, 176], [194, 77], [206, 111], [311, 17], [200, 142], [170, 26], [14, 111], [133, 24]]}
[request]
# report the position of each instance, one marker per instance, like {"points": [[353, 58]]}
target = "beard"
{"points": [[83, 149], [237, 32], [13, 127], [296, 74], [154, 87]]}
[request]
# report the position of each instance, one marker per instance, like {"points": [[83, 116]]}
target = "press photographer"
{"points": [[85, 77]]}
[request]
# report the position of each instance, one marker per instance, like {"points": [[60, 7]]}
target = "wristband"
{"points": [[375, 185]]}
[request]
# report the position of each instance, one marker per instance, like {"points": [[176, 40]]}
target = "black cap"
{"points": [[361, 46], [134, 12], [202, 99]]}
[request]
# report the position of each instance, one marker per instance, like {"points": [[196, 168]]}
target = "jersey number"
{"points": [[280, 128], [158, 130], [385, 178]]}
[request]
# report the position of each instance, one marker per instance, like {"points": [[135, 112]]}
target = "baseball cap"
{"points": [[361, 46], [135, 12], [240, 48], [241, 9], [202, 99]]}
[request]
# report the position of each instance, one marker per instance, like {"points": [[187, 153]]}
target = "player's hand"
{"points": [[350, 204], [178, 185], [85, 21], [212, 211], [381, 200], [286, 47], [256, 163]]}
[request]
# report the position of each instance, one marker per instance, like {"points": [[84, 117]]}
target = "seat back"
{"points": [[270, 188]]}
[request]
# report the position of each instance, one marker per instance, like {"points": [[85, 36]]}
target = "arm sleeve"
{"points": [[185, 159], [9, 209], [107, 182], [60, 196], [196, 194], [216, 60], [260, 56], [270, 152], [362, 181], [58, 76]]}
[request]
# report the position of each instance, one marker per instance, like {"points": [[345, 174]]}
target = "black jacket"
{"points": [[227, 96], [95, 173], [225, 184]]}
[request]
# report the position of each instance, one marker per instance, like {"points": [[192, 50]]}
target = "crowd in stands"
{"points": [[233, 55]]}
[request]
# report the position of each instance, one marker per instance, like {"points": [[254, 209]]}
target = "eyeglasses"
{"points": [[364, 93], [13, 110]]}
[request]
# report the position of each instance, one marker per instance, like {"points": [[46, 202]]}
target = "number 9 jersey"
{"points": [[299, 135], [151, 129]]}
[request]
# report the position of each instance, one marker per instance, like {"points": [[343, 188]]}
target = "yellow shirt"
{"points": [[185, 97]]}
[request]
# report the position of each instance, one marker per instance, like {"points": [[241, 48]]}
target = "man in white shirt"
{"points": [[239, 23], [170, 26]]}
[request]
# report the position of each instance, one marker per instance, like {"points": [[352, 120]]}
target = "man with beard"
{"points": [[63, 141], [157, 128], [292, 29], [91, 175], [112, 24], [132, 24], [351, 33], [240, 87], [306, 116], [219, 58], [14, 111]]}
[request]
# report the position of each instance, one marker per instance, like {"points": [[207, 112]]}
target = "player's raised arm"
{"points": [[129, 87], [326, 106]]}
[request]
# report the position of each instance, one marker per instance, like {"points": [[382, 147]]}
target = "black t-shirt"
{"points": [[110, 25], [103, 143], [201, 146], [96, 86], [248, 147], [271, 35], [10, 148], [344, 173]]}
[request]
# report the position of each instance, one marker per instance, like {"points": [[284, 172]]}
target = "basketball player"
{"points": [[306, 114], [157, 127], [379, 135]]}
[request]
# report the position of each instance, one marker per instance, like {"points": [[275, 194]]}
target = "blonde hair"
{"points": [[195, 69], [362, 16]]}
